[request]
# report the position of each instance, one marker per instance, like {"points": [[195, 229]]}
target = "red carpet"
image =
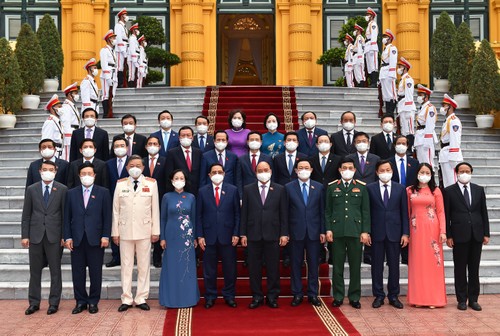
{"points": [[222, 320], [255, 101]]}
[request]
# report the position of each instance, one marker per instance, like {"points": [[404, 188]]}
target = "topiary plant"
{"points": [[462, 55], [441, 44], [30, 58], [50, 41], [10, 81]]}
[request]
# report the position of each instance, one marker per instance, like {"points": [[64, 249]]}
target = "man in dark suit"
{"points": [[87, 230], [306, 213], [467, 230], [187, 158], [325, 165], [284, 163], [248, 162], [41, 232], [389, 232], [343, 143], [382, 144], [308, 134], [88, 149], [202, 140], [264, 228], [90, 131], [136, 142], [47, 148], [168, 137], [364, 161], [217, 229]]}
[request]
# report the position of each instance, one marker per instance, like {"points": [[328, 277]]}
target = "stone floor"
{"points": [[384, 321]]}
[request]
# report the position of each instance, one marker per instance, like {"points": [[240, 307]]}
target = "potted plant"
{"points": [[484, 87], [440, 52], [53, 57], [31, 68], [462, 55], [10, 86]]}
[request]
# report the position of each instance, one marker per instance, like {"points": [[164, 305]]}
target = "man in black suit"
{"points": [[202, 140], [364, 161], [467, 230], [264, 228], [168, 137], [88, 150], [342, 141], [90, 131], [136, 142], [308, 134], [47, 148], [284, 163], [248, 162], [325, 165], [382, 143]]}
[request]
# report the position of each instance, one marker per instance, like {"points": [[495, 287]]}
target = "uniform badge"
{"points": [[409, 85], [337, 190], [145, 189], [431, 113], [394, 52], [374, 27], [456, 128], [356, 190], [125, 190]]}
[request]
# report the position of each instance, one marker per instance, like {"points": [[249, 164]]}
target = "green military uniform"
{"points": [[347, 216]]}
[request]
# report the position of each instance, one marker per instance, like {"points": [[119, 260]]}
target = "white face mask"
{"points": [[401, 149], [47, 176], [153, 150], [128, 128], [220, 146], [443, 111], [420, 100], [367, 18], [88, 152], [137, 32], [89, 122], [202, 129], [388, 127], [145, 44], [422, 178], [354, 33], [237, 123], [76, 98], [125, 18], [310, 123], [95, 72], [348, 126], [254, 145], [362, 147], [324, 147], [347, 174], [186, 142], [385, 177], [272, 126], [113, 42], [120, 151], [400, 71], [291, 145], [263, 177], [385, 40], [59, 111], [464, 178], [346, 43], [135, 172], [87, 180], [217, 178], [47, 153], [304, 174], [179, 184], [165, 123]]}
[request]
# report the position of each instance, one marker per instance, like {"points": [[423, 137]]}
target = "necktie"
{"points": [[323, 163], [129, 148], [120, 167], [166, 138], [263, 194], [310, 138], [466, 196], [389, 141], [220, 159], [46, 195], [346, 185], [362, 164], [290, 164], [86, 195], [135, 185], [188, 160], [217, 199], [386, 195], [151, 166], [87, 161], [304, 192], [89, 133], [202, 142], [402, 170], [254, 162], [348, 140]]}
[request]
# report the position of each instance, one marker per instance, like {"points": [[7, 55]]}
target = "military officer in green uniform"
{"points": [[348, 227]]}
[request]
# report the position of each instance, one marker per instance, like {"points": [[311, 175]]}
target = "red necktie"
{"points": [[254, 163], [310, 138], [151, 166], [188, 160], [217, 199]]}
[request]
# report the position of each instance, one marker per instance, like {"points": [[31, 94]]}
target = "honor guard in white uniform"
{"points": [[371, 47], [359, 56], [388, 71], [451, 137], [348, 58], [52, 127], [425, 135], [88, 87], [143, 61], [109, 79], [133, 54], [406, 105], [121, 44], [69, 116]]}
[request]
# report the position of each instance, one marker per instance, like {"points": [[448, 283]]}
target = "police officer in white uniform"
{"points": [[52, 127], [133, 54], [121, 44], [142, 72], [451, 137], [425, 135], [371, 47], [359, 56], [70, 116], [109, 79], [88, 87], [388, 71], [406, 105], [348, 58]]}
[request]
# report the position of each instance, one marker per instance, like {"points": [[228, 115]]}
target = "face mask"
{"points": [[153, 150], [362, 147], [89, 122], [59, 111], [125, 18], [420, 100], [120, 151], [113, 42], [137, 32], [291, 146], [385, 40], [400, 71], [186, 142], [443, 111], [76, 98], [202, 129], [47, 153], [401, 149], [424, 178], [324, 147], [254, 145], [179, 184], [128, 128], [135, 172], [388, 127], [354, 33], [464, 178], [385, 177], [304, 174], [347, 174], [237, 123], [263, 177], [95, 72], [145, 44], [165, 123], [310, 123], [272, 126], [348, 126], [367, 18], [87, 180], [217, 178], [346, 43], [220, 146], [47, 176], [88, 152]]}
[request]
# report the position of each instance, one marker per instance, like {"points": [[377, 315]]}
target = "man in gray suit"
{"points": [[42, 226]]}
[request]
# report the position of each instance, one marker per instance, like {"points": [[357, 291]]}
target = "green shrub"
{"points": [[30, 58], [462, 55], [50, 41], [441, 44], [154, 76], [10, 81]]}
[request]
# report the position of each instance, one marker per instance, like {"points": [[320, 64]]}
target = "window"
{"points": [[39, 17], [476, 25], [334, 24], [12, 26]]}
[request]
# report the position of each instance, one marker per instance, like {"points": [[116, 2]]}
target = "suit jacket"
{"points": [[247, 174], [176, 160], [209, 143], [378, 146], [369, 175], [218, 223], [101, 173], [339, 145], [231, 166], [159, 174], [94, 221], [138, 145], [112, 173], [304, 146], [280, 167], [34, 172], [411, 170], [38, 220], [331, 172], [306, 220], [268, 221], [390, 221], [173, 141], [464, 224], [101, 139]]}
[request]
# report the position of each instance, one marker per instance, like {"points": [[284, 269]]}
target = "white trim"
{"points": [[39, 17], [7, 30]]}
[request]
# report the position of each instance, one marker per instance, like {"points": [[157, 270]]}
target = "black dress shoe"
{"points": [[93, 309], [396, 303], [355, 304], [336, 303], [79, 308], [157, 264], [314, 301], [255, 304], [31, 309], [367, 261], [297, 300], [378, 302], [113, 263], [462, 306], [231, 303], [272, 303], [286, 262], [475, 306], [209, 303], [143, 306], [124, 307], [52, 310]]}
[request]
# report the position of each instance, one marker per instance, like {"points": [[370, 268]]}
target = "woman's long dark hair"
{"points": [[432, 183]]}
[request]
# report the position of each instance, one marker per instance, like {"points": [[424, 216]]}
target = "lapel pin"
{"points": [[92, 196], [54, 188]]}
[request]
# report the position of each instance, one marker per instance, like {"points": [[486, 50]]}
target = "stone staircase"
{"points": [[18, 147]]}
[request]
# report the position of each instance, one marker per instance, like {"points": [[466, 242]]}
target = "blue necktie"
{"points": [[202, 143], [290, 164], [304, 192], [323, 163], [46, 195], [386, 196], [403, 172], [389, 141]]}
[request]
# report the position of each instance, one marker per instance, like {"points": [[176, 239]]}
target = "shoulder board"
{"points": [[453, 117], [123, 179], [150, 179], [333, 182], [361, 182]]}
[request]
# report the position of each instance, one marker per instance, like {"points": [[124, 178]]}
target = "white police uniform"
{"points": [[387, 74], [406, 105], [359, 58], [451, 153], [90, 93], [349, 65], [132, 57], [52, 129], [371, 46], [70, 120], [109, 79], [143, 66], [121, 44], [425, 135]]}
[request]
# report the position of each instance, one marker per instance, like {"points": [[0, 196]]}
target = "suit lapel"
{"points": [[52, 194], [80, 200], [460, 195], [222, 195]]}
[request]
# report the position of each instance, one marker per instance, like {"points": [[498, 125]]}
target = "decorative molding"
{"points": [[192, 56], [410, 54], [300, 2], [299, 28], [81, 55], [408, 27], [302, 55], [83, 27], [192, 28]]}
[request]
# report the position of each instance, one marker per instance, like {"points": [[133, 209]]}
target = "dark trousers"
{"points": [[84, 256], [312, 248], [351, 247], [269, 251], [157, 252], [381, 250], [115, 251], [38, 255], [466, 258], [227, 254]]}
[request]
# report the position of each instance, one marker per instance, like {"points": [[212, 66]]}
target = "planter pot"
{"points": [[485, 121], [441, 85], [462, 100], [50, 85], [7, 120], [31, 102]]}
